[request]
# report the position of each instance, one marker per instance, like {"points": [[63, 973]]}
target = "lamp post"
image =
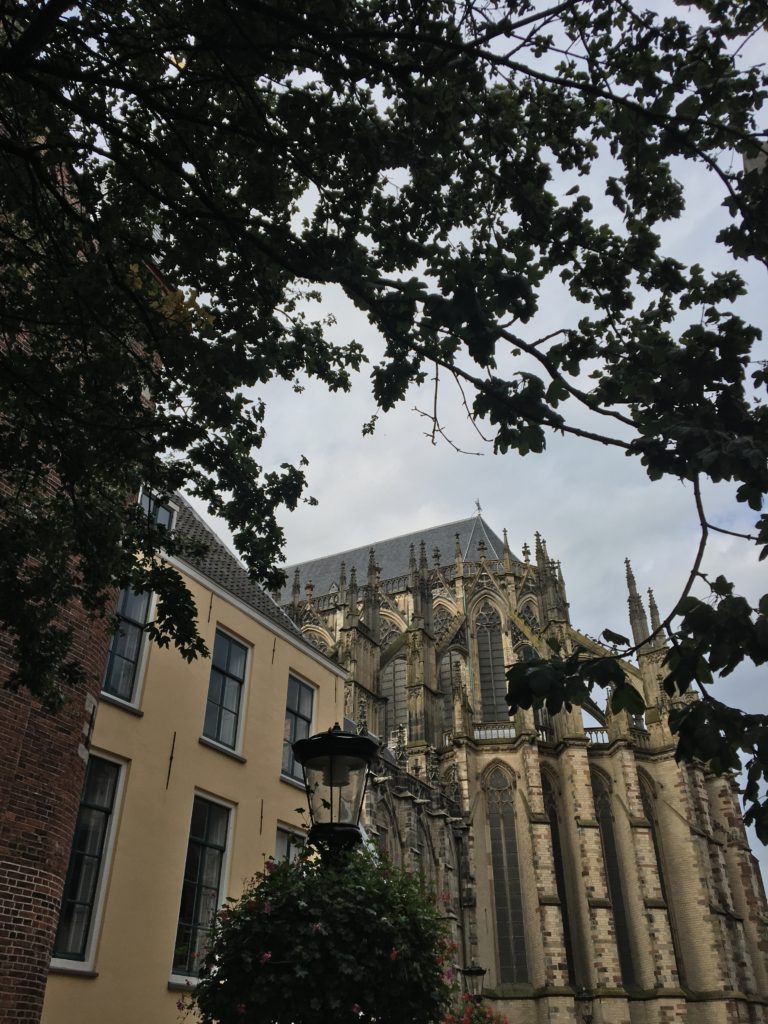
{"points": [[473, 980], [335, 766]]}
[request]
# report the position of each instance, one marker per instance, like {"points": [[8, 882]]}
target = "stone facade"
{"points": [[593, 876]]}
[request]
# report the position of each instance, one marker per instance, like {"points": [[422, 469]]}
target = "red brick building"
{"points": [[42, 765]]}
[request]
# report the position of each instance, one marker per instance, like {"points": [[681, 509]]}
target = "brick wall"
{"points": [[42, 764]]}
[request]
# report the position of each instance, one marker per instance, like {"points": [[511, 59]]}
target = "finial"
{"points": [[481, 548], [423, 564], [436, 557], [655, 620], [412, 558], [478, 506], [371, 567], [457, 547], [526, 552], [309, 591], [343, 576], [296, 589], [630, 578]]}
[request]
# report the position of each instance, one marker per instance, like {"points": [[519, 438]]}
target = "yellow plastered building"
{"points": [[190, 787]]}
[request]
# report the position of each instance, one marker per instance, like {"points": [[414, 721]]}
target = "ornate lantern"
{"points": [[473, 980], [335, 766]]}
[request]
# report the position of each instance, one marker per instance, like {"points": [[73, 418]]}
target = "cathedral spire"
{"points": [[637, 618], [654, 611], [506, 554], [659, 640], [423, 563]]}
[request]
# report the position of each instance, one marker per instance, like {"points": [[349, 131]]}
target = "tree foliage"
{"points": [[177, 178], [314, 942]]}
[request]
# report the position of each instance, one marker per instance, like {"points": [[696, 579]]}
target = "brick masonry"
{"points": [[42, 764]]}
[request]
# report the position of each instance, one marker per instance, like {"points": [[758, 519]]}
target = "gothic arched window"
{"points": [[604, 812], [648, 800], [449, 681], [392, 686], [505, 864], [550, 807], [490, 657]]}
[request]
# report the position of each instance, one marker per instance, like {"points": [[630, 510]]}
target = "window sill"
{"points": [[292, 782], [182, 983], [107, 698], [222, 749], [73, 969]]}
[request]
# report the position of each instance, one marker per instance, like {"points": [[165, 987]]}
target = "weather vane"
{"points": [[477, 505]]}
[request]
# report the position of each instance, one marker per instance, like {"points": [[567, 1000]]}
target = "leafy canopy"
{"points": [[314, 942], [177, 178]]}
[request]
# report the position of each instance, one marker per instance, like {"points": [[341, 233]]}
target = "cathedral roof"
{"points": [[392, 555], [220, 566]]}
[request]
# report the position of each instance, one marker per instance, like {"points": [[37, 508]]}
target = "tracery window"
{"points": [[441, 620], [449, 681], [392, 682], [648, 800], [550, 807], [490, 656], [604, 813], [505, 865], [389, 632]]}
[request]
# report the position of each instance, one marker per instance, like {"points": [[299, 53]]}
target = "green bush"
{"points": [[323, 943]]}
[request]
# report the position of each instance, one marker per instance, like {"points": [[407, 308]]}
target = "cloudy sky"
{"points": [[594, 506]]}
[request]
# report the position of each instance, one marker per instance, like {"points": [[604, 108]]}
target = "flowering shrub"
{"points": [[355, 940], [474, 1013]]}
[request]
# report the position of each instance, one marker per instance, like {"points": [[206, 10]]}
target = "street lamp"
{"points": [[335, 766], [473, 980]]}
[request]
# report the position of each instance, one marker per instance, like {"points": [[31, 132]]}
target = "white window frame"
{"points": [[141, 667], [245, 687], [171, 505], [86, 965], [284, 776], [293, 833], [191, 979]]}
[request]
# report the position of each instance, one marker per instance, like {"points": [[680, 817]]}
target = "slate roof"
{"points": [[221, 567], [392, 555]]}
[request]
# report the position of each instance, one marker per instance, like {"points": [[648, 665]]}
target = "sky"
{"points": [[593, 505]]}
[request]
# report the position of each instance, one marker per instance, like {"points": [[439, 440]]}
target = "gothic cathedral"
{"points": [[591, 875]]}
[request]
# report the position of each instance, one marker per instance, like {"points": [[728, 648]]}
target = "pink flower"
{"points": [[265, 958], [270, 865], [393, 954], [267, 907], [315, 928]]}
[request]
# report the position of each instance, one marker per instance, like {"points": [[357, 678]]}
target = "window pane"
{"points": [[305, 706], [218, 817], [220, 651], [231, 699], [134, 606], [227, 728], [293, 693], [237, 660]]}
